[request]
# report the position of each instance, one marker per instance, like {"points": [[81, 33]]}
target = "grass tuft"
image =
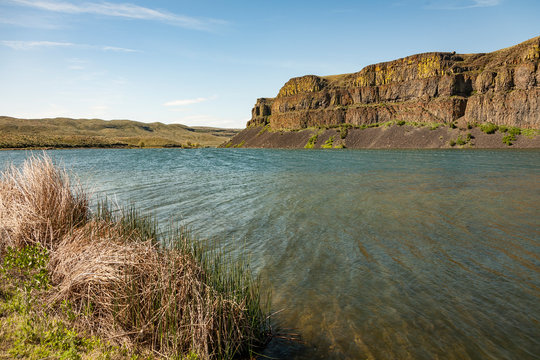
{"points": [[38, 204], [530, 133], [312, 141], [266, 128], [112, 274], [239, 145], [328, 143], [509, 139], [489, 128], [462, 141], [344, 130]]}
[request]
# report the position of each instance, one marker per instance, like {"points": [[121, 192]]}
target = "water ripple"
{"points": [[369, 254]]}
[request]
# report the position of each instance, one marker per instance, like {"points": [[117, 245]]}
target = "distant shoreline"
{"points": [[100, 147], [59, 133]]}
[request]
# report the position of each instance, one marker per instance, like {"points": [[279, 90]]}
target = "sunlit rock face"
{"points": [[502, 87]]}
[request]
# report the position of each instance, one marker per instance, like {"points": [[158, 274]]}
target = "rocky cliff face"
{"points": [[502, 87]]}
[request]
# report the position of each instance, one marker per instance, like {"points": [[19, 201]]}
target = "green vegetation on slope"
{"points": [[328, 143], [77, 284], [462, 141], [67, 133], [511, 132], [311, 142]]}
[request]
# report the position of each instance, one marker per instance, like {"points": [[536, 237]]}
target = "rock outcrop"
{"points": [[502, 87]]}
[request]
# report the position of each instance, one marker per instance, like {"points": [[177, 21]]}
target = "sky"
{"points": [[205, 62]]}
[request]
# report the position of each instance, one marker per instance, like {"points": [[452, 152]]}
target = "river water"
{"points": [[369, 254]]}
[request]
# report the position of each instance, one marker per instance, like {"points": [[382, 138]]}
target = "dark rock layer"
{"points": [[383, 137]]}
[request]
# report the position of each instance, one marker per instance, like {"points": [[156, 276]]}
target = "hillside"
{"points": [[445, 89], [66, 133]]}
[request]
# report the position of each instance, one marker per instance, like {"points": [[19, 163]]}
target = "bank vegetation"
{"points": [[82, 283]]}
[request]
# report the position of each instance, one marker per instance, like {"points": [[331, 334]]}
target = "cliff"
{"points": [[502, 87]]}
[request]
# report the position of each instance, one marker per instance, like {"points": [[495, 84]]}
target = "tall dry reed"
{"points": [[39, 204], [123, 280]]}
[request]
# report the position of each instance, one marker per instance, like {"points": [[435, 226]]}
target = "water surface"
{"points": [[369, 254]]}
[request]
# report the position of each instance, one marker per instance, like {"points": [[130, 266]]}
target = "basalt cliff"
{"points": [[501, 87]]}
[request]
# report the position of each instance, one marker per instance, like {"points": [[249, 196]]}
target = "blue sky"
{"points": [[206, 62]]}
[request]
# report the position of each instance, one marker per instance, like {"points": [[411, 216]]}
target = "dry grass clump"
{"points": [[151, 296], [126, 283], [38, 204]]}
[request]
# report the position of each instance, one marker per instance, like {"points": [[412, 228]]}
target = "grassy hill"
{"points": [[67, 133]]}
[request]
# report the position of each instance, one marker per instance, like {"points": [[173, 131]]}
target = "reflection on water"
{"points": [[369, 254]]}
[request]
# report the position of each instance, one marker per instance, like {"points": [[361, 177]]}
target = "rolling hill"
{"points": [[68, 133]]}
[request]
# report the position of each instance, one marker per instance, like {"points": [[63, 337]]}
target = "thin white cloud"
{"points": [[125, 10], [30, 45], [208, 120], [485, 3], [462, 4], [185, 102], [28, 21], [117, 49]]}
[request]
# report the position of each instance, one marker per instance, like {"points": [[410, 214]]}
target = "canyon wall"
{"points": [[502, 87]]}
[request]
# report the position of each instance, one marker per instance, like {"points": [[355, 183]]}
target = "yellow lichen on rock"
{"points": [[308, 83], [362, 80], [384, 76], [375, 76], [533, 53], [429, 66], [445, 83]]}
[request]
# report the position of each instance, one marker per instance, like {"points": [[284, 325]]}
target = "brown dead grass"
{"points": [[38, 204], [143, 294], [119, 279]]}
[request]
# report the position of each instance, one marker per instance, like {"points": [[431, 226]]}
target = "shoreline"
{"points": [[391, 135], [102, 147], [120, 147]]}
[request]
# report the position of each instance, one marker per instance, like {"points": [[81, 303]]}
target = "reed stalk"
{"points": [[127, 282]]}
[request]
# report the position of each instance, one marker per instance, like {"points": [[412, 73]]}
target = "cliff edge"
{"points": [[501, 87]]}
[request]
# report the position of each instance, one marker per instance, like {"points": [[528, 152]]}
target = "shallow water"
{"points": [[369, 254]]}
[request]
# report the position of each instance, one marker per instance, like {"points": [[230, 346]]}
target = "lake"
{"points": [[378, 254]]}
